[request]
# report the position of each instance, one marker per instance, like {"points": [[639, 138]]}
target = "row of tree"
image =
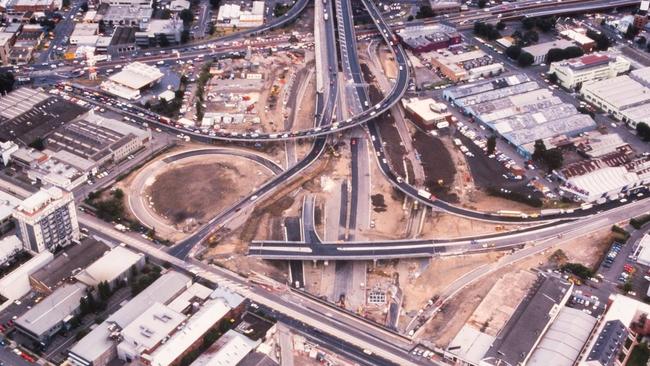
{"points": [[559, 54], [486, 30]]}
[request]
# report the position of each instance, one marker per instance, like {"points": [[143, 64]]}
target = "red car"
{"points": [[27, 357]]}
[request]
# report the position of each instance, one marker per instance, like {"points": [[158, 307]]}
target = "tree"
{"points": [[643, 131], [573, 52], [185, 36], [481, 3], [553, 159], [528, 23], [491, 144], [554, 55], [215, 3], [552, 77], [501, 25], [539, 150], [65, 3], [513, 52], [118, 194], [38, 144], [186, 16], [104, 290], [410, 18], [7, 81], [84, 7], [425, 11], [525, 59], [631, 32], [166, 14], [602, 42], [163, 41], [578, 269], [641, 41], [530, 37]]}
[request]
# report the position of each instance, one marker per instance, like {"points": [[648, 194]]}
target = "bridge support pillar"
{"points": [[314, 263]]}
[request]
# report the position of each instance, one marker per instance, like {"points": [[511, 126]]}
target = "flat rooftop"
{"points": [[137, 75], [148, 329], [52, 309], [72, 259], [28, 114], [525, 327], [110, 266], [620, 92]]}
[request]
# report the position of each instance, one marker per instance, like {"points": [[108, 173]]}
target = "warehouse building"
{"points": [[562, 343], [520, 111], [426, 112], [540, 50], [232, 15], [532, 319], [132, 79], [579, 36], [150, 35], [230, 349], [52, 314], [66, 265], [113, 267], [465, 65], [15, 284], [623, 97], [99, 347], [571, 74], [97, 140], [425, 38], [221, 304]]}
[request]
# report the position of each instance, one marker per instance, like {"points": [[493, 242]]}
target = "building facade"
{"points": [[573, 73], [47, 220]]}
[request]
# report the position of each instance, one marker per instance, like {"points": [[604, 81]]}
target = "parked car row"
{"points": [[611, 255]]}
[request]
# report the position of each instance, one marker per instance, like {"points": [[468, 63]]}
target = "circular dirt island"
{"points": [[176, 194]]}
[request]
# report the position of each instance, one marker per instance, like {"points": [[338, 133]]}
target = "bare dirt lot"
{"points": [[438, 165], [200, 190]]}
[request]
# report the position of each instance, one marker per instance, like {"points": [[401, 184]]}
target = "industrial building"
{"points": [[464, 65], [99, 347], [626, 97], [520, 111], [131, 80], [129, 3], [15, 284], [21, 6], [96, 140], [230, 349], [540, 50], [424, 38], [47, 220], [232, 15], [565, 338], [616, 332], [532, 319], [52, 313], [66, 264], [28, 114], [221, 304], [114, 266], [572, 73], [579, 36], [426, 112], [152, 31]]}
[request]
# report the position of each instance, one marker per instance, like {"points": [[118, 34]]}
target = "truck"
{"points": [[423, 193], [121, 228], [551, 211]]}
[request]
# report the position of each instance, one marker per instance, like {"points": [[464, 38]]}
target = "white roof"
{"points": [[210, 313], [543, 48], [40, 199], [162, 290], [109, 267], [422, 108], [151, 327], [258, 8], [9, 246], [620, 92], [136, 75], [604, 180], [196, 291], [16, 284], [470, 344], [53, 309], [644, 253], [229, 350], [561, 344]]}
